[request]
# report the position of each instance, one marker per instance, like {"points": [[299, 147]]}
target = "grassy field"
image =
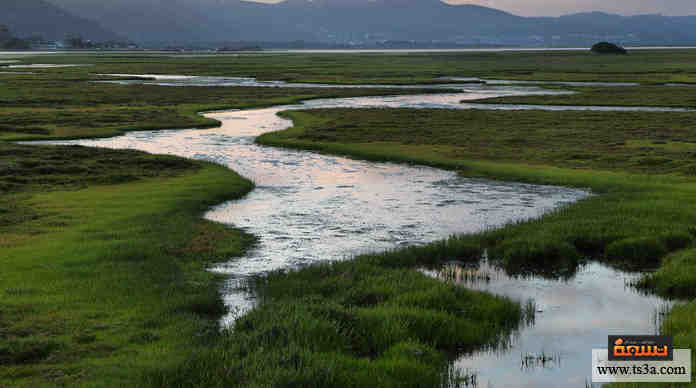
{"points": [[663, 96], [641, 219], [398, 68], [65, 104], [103, 263], [651, 143], [369, 322]]}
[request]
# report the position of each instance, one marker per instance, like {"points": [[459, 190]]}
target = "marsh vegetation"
{"points": [[104, 252]]}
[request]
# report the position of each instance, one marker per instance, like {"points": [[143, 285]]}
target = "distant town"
{"points": [[8, 41]]}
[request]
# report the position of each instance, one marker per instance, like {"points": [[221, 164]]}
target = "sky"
{"points": [[562, 7]]}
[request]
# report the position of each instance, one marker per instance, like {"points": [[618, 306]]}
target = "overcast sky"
{"points": [[561, 7]]}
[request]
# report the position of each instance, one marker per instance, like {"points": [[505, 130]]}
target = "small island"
{"points": [[608, 48]]}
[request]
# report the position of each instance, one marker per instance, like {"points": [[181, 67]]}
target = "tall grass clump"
{"points": [[536, 255], [348, 324], [676, 277], [640, 250]]}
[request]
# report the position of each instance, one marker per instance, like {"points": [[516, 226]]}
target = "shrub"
{"points": [[608, 48]]}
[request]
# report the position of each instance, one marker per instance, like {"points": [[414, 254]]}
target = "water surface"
{"points": [[573, 316]]}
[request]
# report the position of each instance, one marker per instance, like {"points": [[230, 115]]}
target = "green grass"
{"points": [[637, 142], [26, 169], [66, 105], [676, 277], [103, 280], [352, 324], [645, 66], [661, 96]]}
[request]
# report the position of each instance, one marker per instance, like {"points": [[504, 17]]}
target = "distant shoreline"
{"points": [[342, 50]]}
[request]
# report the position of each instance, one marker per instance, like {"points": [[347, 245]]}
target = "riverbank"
{"points": [[640, 219], [104, 257]]}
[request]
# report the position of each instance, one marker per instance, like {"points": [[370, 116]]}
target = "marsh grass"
{"points": [[89, 256], [105, 285], [645, 66], [541, 360], [25, 168], [456, 273], [66, 105], [655, 95], [354, 324], [676, 277], [456, 378], [584, 141]]}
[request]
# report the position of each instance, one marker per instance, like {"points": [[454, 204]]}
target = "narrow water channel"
{"points": [[309, 207]]}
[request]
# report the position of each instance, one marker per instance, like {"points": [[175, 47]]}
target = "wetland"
{"points": [[322, 316]]}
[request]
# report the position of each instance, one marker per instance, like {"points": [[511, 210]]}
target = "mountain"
{"points": [[640, 29], [27, 18], [365, 22], [316, 20], [4, 33]]}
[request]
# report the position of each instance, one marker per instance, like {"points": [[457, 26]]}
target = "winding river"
{"points": [[309, 207]]}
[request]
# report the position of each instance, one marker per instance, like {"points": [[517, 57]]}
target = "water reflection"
{"points": [[572, 316]]}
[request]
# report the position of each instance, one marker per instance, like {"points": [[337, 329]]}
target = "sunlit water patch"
{"points": [[573, 316], [309, 207]]}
